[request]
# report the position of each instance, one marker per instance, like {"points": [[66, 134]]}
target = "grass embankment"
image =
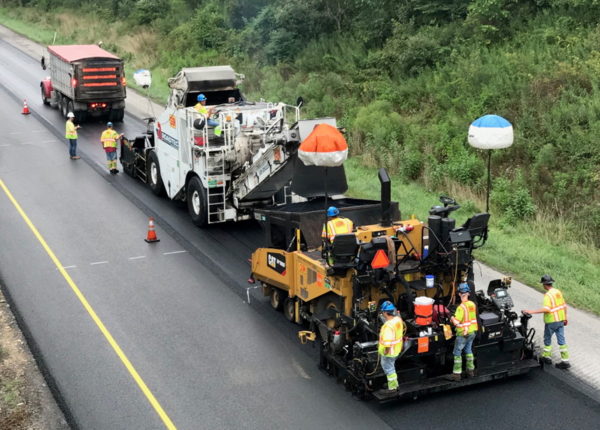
{"points": [[526, 250]]}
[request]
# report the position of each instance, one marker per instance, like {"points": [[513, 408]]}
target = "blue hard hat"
{"points": [[109, 124], [387, 306], [333, 211], [464, 288], [201, 97]]}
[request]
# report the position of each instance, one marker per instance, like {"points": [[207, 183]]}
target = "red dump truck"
{"points": [[85, 80]]}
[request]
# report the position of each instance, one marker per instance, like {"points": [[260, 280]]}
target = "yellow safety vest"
{"points": [[70, 130], [337, 226], [109, 138], [466, 314], [201, 109], [555, 306], [390, 336]]}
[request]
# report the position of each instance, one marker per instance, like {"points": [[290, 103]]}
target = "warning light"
{"points": [[380, 260], [73, 82]]}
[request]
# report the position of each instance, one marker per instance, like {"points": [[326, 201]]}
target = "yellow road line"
{"points": [[113, 343]]}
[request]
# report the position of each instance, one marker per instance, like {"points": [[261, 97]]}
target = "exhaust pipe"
{"points": [[386, 198]]}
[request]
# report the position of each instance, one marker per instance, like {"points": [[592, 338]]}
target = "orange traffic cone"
{"points": [[151, 238], [25, 110]]}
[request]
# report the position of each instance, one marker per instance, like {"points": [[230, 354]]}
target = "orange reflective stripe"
{"points": [[553, 303]]}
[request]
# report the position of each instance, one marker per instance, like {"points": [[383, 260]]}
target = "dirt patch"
{"points": [[25, 400]]}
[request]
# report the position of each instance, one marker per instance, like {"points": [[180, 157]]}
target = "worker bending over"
{"points": [[109, 139], [465, 320], [390, 344], [555, 319], [336, 224]]}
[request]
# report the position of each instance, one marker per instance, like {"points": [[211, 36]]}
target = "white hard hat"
{"points": [[70, 115]]}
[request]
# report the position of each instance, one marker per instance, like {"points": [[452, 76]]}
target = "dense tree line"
{"points": [[407, 77]]}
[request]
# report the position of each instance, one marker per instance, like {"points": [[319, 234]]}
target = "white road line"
{"points": [[98, 262], [137, 258], [173, 252], [69, 267]]}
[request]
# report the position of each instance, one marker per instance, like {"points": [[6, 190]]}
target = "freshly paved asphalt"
{"points": [[211, 359]]}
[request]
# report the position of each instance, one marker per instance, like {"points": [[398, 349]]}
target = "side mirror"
{"points": [[43, 62], [299, 101]]}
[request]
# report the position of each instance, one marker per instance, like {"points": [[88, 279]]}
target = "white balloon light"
{"points": [[491, 132]]}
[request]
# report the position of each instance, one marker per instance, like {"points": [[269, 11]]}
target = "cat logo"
{"points": [[276, 262]]}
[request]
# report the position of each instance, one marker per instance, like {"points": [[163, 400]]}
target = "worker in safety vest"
{"points": [[109, 140], [465, 320], [555, 319], [71, 136], [201, 108], [336, 224], [390, 344]]}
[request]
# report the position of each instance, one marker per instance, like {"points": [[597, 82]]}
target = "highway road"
{"points": [[138, 336]]}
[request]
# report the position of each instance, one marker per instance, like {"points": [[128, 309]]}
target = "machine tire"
{"points": [[277, 298], [154, 178], [196, 201], [289, 309], [128, 168], [45, 99]]}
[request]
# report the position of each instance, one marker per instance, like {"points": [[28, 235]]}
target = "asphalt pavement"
{"points": [[179, 308]]}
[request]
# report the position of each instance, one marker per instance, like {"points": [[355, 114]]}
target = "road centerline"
{"points": [[112, 342]]}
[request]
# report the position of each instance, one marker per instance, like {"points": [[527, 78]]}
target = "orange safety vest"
{"points": [[109, 140], [390, 336], [555, 306], [335, 226], [466, 314]]}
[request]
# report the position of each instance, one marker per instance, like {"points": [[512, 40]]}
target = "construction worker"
{"points": [[71, 136], [390, 344], [465, 320], [555, 319], [203, 110], [109, 142], [336, 224]]}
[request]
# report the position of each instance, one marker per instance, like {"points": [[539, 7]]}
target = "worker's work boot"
{"points": [[564, 365], [454, 377], [547, 360], [471, 373]]}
